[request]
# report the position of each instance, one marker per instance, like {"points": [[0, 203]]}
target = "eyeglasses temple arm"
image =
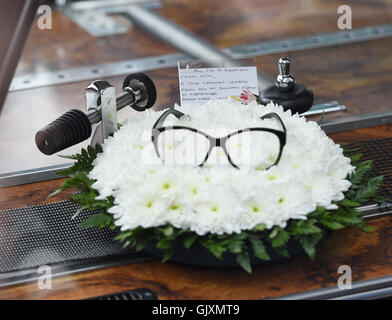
{"points": [[274, 115], [162, 118]]}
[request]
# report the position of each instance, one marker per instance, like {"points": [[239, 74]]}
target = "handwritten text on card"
{"points": [[203, 84]]}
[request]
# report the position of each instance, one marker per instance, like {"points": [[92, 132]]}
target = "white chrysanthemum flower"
{"points": [[218, 198]]}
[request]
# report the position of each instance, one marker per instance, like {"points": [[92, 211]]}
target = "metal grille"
{"points": [[46, 235], [380, 151]]}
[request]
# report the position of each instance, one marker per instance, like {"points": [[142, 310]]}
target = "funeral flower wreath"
{"points": [[315, 187]]}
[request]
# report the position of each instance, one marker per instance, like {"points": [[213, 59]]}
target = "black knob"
{"points": [[149, 91], [69, 129], [286, 92]]}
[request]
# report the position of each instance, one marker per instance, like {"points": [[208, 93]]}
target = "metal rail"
{"points": [[357, 122], [378, 288], [170, 60], [185, 41]]}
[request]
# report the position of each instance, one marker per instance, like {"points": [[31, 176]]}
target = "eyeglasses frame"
{"points": [[158, 128]]}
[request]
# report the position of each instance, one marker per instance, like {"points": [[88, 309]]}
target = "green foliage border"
{"points": [[307, 233]]}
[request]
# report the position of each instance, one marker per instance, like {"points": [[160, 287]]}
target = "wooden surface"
{"points": [[224, 23], [369, 256], [358, 75]]}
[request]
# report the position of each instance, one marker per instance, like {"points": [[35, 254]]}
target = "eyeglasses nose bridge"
{"points": [[218, 143]]}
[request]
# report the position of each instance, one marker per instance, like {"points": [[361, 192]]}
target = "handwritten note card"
{"points": [[203, 84]]}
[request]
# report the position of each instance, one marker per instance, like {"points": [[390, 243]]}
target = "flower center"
{"points": [[166, 186], [255, 209], [214, 209]]}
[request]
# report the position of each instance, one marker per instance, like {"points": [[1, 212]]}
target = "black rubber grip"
{"points": [[71, 128]]}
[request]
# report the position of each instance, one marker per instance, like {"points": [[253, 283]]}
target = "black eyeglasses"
{"points": [[260, 148]]}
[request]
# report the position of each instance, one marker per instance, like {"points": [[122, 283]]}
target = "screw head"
{"points": [[284, 81]]}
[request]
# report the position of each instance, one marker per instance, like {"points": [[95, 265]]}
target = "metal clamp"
{"points": [[101, 98]]}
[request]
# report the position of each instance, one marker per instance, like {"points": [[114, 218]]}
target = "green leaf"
{"points": [[349, 203], [164, 244], [321, 121], [333, 225], [127, 243], [367, 229], [379, 199], [71, 157], [356, 157], [348, 217], [189, 240], [260, 227], [168, 255], [91, 152], [259, 248], [280, 239], [55, 192], [282, 251], [216, 248], [308, 243], [123, 235], [274, 233], [140, 246], [80, 209], [320, 210], [304, 227], [235, 242], [98, 148], [309, 247], [244, 261], [360, 172], [368, 190], [167, 231], [85, 154], [97, 220]]}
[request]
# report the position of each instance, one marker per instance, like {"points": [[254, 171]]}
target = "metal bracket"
{"points": [[101, 96], [94, 16], [109, 111], [325, 107], [97, 23]]}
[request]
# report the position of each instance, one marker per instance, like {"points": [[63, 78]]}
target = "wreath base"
{"points": [[200, 256]]}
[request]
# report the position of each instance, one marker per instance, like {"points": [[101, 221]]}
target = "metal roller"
{"points": [[75, 126]]}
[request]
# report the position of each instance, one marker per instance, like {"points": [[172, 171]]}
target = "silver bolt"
{"points": [[284, 81]]}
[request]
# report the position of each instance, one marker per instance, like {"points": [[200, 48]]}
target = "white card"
{"points": [[203, 84]]}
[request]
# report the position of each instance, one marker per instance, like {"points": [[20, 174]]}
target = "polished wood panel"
{"points": [[358, 75], [369, 256]]}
